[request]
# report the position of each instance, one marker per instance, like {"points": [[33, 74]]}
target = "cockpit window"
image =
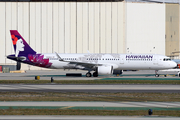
{"points": [[166, 59]]}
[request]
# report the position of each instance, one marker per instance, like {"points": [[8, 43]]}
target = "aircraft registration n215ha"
{"points": [[99, 63]]}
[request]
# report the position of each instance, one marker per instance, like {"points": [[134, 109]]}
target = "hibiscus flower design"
{"points": [[38, 60], [14, 39]]}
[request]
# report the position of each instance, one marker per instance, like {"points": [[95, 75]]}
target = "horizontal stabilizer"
{"points": [[17, 58]]}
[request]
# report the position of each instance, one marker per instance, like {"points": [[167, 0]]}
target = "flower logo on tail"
{"points": [[38, 60]]}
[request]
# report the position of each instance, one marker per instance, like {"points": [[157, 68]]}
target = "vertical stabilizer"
{"points": [[21, 47]]}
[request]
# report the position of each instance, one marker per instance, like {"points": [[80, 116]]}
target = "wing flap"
{"points": [[84, 64]]}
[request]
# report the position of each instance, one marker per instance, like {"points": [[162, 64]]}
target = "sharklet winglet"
{"points": [[60, 59], [88, 51]]}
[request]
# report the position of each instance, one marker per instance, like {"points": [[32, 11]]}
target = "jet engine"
{"points": [[104, 70]]}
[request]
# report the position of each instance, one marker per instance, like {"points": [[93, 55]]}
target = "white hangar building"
{"points": [[98, 26]]}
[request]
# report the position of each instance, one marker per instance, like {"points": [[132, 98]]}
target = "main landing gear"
{"points": [[95, 74], [88, 74]]}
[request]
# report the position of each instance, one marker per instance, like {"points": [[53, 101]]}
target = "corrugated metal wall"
{"points": [[145, 28], [64, 27]]}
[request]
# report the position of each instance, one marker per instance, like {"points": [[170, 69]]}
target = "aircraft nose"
{"points": [[174, 64]]}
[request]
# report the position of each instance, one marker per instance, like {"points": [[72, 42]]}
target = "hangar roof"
{"points": [[155, 1]]}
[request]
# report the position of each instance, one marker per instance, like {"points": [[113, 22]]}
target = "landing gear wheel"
{"points": [[178, 74], [95, 74], [156, 75], [88, 74]]}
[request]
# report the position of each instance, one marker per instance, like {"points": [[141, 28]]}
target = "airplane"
{"points": [[101, 64]]}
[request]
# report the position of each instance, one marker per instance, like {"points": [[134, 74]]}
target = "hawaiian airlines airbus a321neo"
{"points": [[99, 63]]}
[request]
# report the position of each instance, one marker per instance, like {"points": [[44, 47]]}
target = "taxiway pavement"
{"points": [[89, 88], [61, 75], [67, 104], [73, 117]]}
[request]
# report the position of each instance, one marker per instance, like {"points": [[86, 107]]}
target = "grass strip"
{"points": [[11, 111], [146, 78], [73, 96], [127, 81]]}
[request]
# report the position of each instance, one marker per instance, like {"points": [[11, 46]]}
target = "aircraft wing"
{"points": [[84, 64], [87, 65]]}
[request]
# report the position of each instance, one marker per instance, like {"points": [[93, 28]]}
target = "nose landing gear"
{"points": [[178, 74], [156, 74]]}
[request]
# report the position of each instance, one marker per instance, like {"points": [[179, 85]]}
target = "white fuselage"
{"points": [[118, 61]]}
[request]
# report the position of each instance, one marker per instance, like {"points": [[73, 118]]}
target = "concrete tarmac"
{"points": [[61, 75], [89, 88], [44, 75], [73, 117], [68, 104]]}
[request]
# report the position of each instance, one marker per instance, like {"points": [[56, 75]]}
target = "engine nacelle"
{"points": [[104, 70]]}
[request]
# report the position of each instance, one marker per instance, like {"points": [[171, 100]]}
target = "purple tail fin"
{"points": [[21, 47]]}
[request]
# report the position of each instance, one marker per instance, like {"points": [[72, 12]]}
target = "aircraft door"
{"points": [[121, 60], [155, 60]]}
